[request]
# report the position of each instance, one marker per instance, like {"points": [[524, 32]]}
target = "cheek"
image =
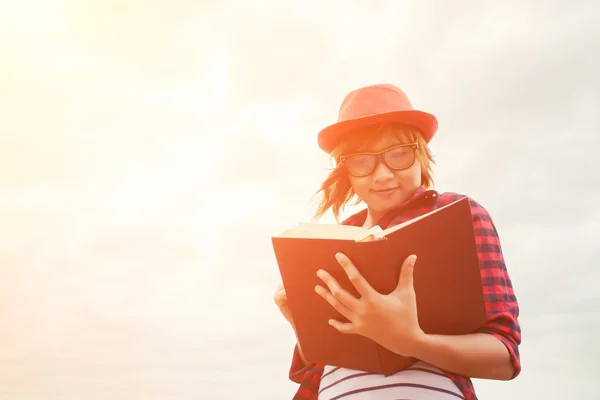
{"points": [[359, 185], [411, 176]]}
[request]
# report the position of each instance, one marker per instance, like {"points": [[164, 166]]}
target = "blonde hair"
{"points": [[336, 191]]}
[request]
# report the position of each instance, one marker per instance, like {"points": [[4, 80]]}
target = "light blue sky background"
{"points": [[149, 149]]}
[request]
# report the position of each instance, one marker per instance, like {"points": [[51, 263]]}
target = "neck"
{"points": [[372, 218]]}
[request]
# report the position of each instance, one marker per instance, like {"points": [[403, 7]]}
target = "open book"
{"points": [[447, 281], [350, 232]]}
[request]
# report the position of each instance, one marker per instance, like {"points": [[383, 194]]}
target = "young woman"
{"points": [[382, 159]]}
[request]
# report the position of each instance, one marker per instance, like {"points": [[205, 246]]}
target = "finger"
{"points": [[337, 291], [335, 303], [406, 273], [280, 289], [280, 302], [280, 298], [357, 280], [343, 327]]}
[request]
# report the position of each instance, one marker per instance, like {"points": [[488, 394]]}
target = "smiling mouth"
{"points": [[385, 191]]}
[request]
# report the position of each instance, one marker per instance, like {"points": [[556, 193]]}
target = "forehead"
{"points": [[386, 141], [376, 139]]}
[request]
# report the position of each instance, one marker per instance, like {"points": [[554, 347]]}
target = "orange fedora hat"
{"points": [[375, 104]]}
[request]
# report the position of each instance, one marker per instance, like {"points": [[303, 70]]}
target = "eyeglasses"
{"points": [[395, 158]]}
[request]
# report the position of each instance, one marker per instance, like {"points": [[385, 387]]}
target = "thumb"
{"points": [[406, 273]]}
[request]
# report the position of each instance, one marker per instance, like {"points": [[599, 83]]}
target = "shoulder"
{"points": [[483, 224], [356, 219], [478, 210]]}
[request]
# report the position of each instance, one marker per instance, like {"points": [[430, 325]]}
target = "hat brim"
{"points": [[330, 136]]}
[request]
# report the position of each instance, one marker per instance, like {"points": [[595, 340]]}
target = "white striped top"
{"points": [[421, 381]]}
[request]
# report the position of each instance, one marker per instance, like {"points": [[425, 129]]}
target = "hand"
{"points": [[280, 298], [390, 320]]}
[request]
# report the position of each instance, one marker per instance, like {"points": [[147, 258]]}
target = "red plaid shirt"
{"points": [[501, 302]]}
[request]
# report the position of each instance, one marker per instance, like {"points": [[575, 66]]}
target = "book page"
{"points": [[325, 231], [315, 230]]}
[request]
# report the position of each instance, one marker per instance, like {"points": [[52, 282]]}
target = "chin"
{"points": [[383, 206], [383, 203]]}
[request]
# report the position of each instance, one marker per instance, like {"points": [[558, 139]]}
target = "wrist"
{"points": [[298, 347], [421, 346], [407, 344]]}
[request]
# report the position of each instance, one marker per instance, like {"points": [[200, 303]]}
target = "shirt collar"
{"points": [[418, 196]]}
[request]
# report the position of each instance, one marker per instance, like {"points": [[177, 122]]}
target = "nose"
{"points": [[382, 172]]}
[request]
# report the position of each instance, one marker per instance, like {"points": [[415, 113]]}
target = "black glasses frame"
{"points": [[380, 157]]}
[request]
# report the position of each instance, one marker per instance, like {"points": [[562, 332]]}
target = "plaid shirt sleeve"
{"points": [[501, 302], [308, 376]]}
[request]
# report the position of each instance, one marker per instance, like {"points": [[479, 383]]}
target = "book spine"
{"points": [[386, 262]]}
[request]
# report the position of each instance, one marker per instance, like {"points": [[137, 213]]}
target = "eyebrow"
{"points": [[415, 143]]}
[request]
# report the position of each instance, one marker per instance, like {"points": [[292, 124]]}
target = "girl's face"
{"points": [[385, 188]]}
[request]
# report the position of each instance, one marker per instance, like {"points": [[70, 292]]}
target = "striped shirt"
{"points": [[421, 381]]}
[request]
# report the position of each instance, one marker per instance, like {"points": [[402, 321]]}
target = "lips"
{"points": [[385, 191]]}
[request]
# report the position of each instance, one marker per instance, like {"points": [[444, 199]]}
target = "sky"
{"points": [[149, 150]]}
